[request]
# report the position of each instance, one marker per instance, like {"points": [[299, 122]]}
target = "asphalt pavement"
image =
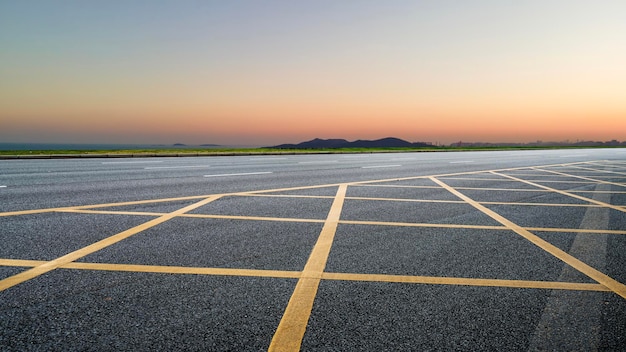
{"points": [[516, 251]]}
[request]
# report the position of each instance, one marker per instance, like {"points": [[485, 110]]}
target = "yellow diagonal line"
{"points": [[406, 200], [183, 270], [602, 171], [564, 205], [21, 262], [607, 205], [585, 178], [103, 205], [555, 229], [252, 218], [418, 224], [501, 180], [70, 257], [596, 275], [27, 212], [109, 212], [282, 195], [290, 331], [434, 280], [407, 279], [163, 269]]}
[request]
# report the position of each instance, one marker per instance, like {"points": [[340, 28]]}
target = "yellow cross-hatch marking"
{"points": [[292, 327], [70, 257], [405, 279], [596, 275], [567, 193], [290, 331]]}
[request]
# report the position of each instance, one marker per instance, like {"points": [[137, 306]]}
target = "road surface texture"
{"points": [[509, 251]]}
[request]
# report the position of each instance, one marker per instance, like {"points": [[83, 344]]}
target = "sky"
{"points": [[262, 72]]}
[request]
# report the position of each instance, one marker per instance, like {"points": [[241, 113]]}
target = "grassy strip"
{"points": [[261, 151], [209, 151]]}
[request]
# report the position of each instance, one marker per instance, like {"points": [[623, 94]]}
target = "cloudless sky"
{"points": [[268, 72]]}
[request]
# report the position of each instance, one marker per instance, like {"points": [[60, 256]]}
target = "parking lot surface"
{"points": [[521, 258]]}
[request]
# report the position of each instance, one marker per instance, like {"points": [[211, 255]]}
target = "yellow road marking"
{"points": [[501, 180], [475, 179], [432, 280], [243, 217], [70, 257], [150, 201], [482, 202], [108, 212], [601, 171], [282, 196], [103, 205], [394, 186], [501, 189], [287, 189], [520, 174], [297, 188], [588, 178], [406, 200], [596, 275], [159, 269], [360, 183], [137, 202], [611, 166], [567, 193], [460, 281], [600, 192], [477, 227], [21, 262], [290, 331], [417, 224], [363, 222], [555, 229], [27, 212], [544, 204], [466, 188], [183, 270]]}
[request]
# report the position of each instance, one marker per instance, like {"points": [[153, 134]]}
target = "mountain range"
{"points": [[389, 142]]}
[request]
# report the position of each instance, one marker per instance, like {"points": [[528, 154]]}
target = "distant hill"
{"points": [[318, 143]]}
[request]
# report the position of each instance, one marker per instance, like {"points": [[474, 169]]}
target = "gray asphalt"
{"points": [[83, 309]]}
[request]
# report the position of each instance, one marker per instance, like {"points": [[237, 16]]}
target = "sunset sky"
{"points": [[269, 72]]}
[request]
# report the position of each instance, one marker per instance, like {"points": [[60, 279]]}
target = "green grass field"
{"points": [[252, 151]]}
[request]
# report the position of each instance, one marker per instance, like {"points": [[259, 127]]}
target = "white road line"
{"points": [[379, 166], [240, 174], [462, 162], [132, 162], [3, 186], [318, 162], [176, 167]]}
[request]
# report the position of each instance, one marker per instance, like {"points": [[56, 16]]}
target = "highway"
{"points": [[502, 250]]}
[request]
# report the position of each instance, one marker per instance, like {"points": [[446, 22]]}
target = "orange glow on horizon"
{"points": [[262, 74]]}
